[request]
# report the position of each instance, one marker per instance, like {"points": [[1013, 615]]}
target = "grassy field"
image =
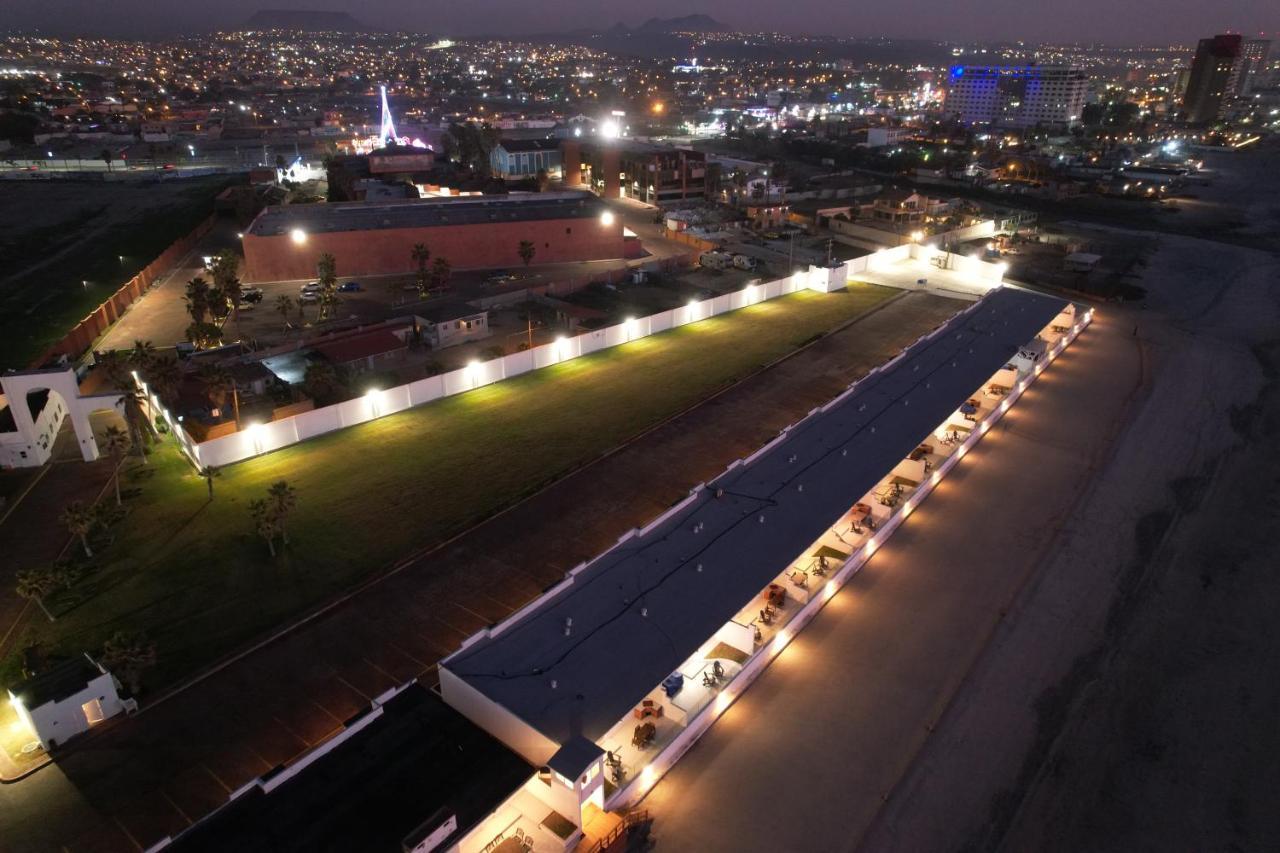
{"points": [[57, 236], [194, 576]]}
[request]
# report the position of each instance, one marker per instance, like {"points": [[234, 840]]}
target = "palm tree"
{"points": [[421, 254], [115, 442], [220, 384], [328, 302], [78, 519], [38, 583], [165, 376], [107, 157], [526, 251], [281, 499], [441, 269], [142, 354], [128, 656], [264, 522], [115, 369], [135, 416], [224, 267], [209, 472], [327, 273], [198, 295], [284, 304]]}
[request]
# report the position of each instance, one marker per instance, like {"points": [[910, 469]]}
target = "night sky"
{"points": [[1109, 21]]}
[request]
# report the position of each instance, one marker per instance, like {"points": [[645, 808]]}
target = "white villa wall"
{"points": [[35, 438], [54, 723], [981, 230], [535, 747], [264, 438]]}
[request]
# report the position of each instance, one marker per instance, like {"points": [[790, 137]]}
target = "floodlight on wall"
{"points": [[254, 433], [298, 236], [606, 218]]}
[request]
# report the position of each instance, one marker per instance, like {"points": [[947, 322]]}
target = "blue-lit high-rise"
{"points": [[1050, 96]]}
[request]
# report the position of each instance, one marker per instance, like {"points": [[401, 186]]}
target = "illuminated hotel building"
{"points": [[1017, 95]]}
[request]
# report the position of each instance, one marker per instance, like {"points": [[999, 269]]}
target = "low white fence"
{"points": [[262, 438]]}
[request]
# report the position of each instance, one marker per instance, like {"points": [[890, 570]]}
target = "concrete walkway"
{"points": [[806, 758]]}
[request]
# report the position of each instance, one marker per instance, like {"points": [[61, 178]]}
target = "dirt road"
{"points": [[1121, 706]]}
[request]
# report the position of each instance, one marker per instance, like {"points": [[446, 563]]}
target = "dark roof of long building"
{"points": [[641, 609], [369, 793], [426, 212]]}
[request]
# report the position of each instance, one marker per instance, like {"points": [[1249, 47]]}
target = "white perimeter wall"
{"points": [[263, 438]]}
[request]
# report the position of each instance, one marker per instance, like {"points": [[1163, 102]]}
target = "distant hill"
{"points": [[306, 20], [687, 24]]}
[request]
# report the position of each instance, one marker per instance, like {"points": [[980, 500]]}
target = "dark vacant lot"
{"points": [[66, 246]]}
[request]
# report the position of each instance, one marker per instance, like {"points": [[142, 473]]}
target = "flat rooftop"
{"points": [[425, 212], [63, 679], [373, 790], [642, 608]]}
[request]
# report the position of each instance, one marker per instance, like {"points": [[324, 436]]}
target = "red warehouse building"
{"points": [[476, 232]]}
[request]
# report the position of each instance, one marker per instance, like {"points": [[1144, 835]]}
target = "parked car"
{"points": [[746, 262], [715, 260], [350, 287], [244, 305], [312, 287], [251, 294], [309, 296]]}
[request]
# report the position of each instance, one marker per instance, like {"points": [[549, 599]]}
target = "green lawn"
{"points": [[194, 576]]}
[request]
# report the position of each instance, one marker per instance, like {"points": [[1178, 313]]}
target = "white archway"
{"points": [[30, 443]]}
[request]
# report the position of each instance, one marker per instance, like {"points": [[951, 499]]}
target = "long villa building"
{"points": [[551, 721]]}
